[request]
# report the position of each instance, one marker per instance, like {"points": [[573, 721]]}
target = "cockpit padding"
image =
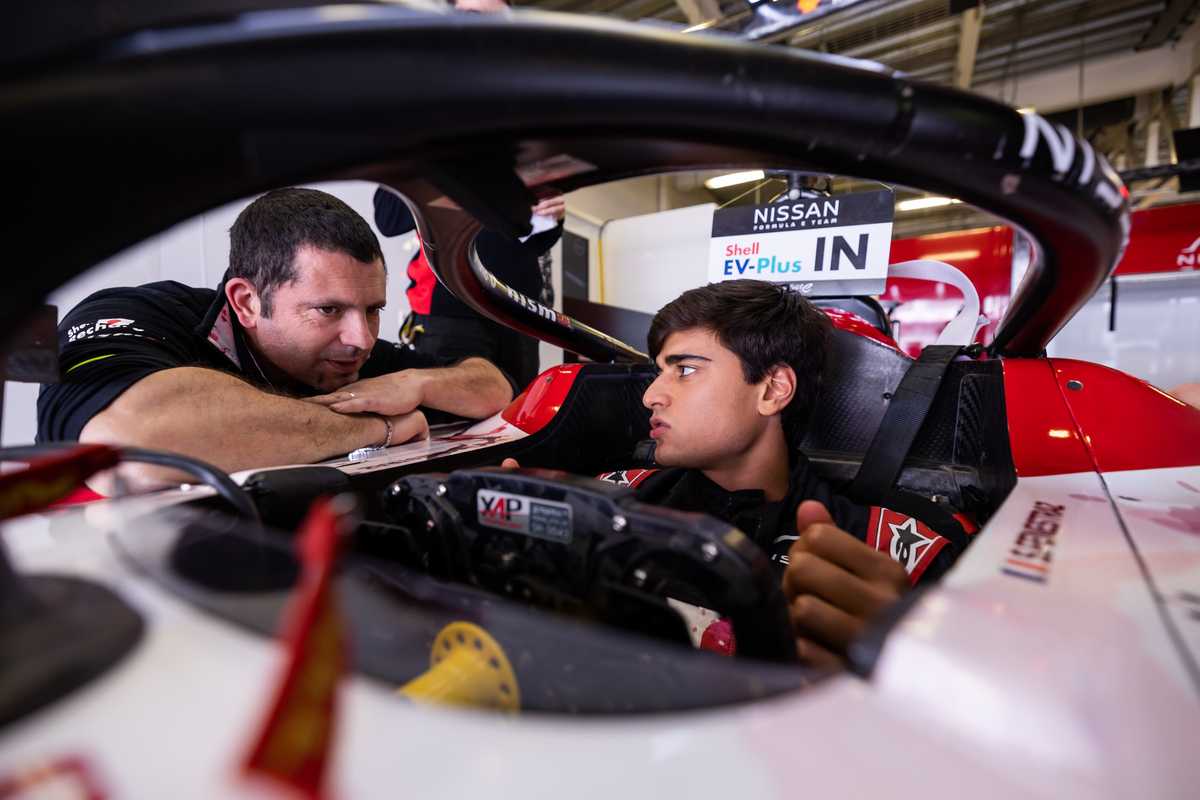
{"points": [[961, 451], [860, 376], [600, 422]]}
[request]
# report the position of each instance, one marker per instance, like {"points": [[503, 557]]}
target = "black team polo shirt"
{"points": [[116, 337]]}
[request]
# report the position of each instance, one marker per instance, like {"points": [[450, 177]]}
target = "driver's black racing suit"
{"points": [[924, 552]]}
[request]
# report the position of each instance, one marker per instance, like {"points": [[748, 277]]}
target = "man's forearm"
{"points": [[472, 388], [223, 420]]}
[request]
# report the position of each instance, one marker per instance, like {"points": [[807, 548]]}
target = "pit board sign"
{"points": [[835, 245]]}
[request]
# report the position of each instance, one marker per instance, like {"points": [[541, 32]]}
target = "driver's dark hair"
{"points": [[763, 324], [266, 235]]}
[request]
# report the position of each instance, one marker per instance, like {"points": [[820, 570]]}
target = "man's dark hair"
{"points": [[763, 324], [266, 235]]}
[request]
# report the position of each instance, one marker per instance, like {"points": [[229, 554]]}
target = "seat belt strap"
{"points": [[902, 420]]}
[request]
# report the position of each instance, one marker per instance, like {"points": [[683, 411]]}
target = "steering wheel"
{"points": [[588, 548]]}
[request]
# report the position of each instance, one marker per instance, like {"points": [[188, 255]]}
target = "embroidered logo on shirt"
{"points": [[103, 328], [626, 477], [906, 539], [781, 549]]}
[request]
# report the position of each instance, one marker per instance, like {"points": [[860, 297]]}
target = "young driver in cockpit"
{"points": [[739, 373]]}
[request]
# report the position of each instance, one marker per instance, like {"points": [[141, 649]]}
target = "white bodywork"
{"points": [[993, 685]]}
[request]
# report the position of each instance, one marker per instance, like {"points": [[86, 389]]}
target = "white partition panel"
{"points": [[1157, 332], [649, 260]]}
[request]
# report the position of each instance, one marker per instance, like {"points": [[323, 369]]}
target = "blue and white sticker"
{"points": [[541, 519], [825, 246]]}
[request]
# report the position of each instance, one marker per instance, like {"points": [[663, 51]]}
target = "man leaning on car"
{"points": [[280, 364]]}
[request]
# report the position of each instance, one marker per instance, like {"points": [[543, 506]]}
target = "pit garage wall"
{"points": [[196, 253]]}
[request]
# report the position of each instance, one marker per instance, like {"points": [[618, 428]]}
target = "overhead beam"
{"points": [[697, 11], [1169, 23], [811, 35], [1105, 78], [968, 45], [1078, 38], [1194, 103]]}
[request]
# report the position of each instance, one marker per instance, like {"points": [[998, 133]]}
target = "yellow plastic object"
{"points": [[467, 667]]}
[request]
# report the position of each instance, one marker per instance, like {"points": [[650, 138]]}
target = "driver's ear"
{"points": [[244, 301], [778, 389]]}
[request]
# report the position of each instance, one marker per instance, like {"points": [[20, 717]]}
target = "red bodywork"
{"points": [[533, 408], [1069, 416], [1041, 432], [1126, 422], [48, 480], [856, 324]]}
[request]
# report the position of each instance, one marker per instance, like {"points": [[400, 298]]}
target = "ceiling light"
{"points": [[733, 179], [918, 203], [1026, 110]]}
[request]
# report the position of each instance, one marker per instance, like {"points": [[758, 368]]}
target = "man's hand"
{"points": [[410, 427], [389, 395], [834, 584], [553, 207], [509, 463], [472, 388]]}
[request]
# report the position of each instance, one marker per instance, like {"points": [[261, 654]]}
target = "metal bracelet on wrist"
{"points": [[363, 453]]}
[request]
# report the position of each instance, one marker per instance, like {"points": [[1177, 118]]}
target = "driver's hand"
{"points": [[509, 463], [834, 584]]}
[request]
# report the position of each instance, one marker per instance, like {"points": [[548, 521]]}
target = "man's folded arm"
{"points": [[225, 421], [473, 388]]}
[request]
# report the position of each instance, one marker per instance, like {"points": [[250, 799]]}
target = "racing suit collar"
{"points": [[748, 509]]}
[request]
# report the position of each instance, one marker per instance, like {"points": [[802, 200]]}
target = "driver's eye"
{"points": [[685, 370], [327, 311]]}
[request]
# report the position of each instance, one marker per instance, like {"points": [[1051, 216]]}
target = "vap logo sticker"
{"points": [[98, 329], [541, 519]]}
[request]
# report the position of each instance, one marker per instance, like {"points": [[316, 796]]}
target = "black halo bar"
{"points": [[180, 120]]}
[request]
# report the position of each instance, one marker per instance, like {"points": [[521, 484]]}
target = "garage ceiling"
{"points": [[924, 38], [995, 44]]}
